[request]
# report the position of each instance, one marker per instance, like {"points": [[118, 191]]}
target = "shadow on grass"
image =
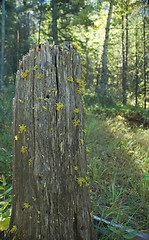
{"points": [[119, 191]]}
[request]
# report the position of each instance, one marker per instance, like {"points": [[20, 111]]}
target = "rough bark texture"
{"points": [[50, 181]]}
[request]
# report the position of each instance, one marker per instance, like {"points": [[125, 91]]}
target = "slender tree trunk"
{"points": [[126, 58], [2, 44], [104, 77], [137, 79], [40, 19], [54, 20], [39, 27], [145, 63], [123, 64]]}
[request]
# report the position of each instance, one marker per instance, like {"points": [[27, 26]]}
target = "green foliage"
{"points": [[118, 163], [5, 155], [6, 131], [5, 203]]}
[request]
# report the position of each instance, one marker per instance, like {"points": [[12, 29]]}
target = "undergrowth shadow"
{"points": [[117, 162]]}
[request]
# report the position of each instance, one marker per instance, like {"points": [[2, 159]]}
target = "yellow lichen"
{"points": [[30, 161], [21, 101], [24, 74], [84, 131], [35, 68], [81, 84], [91, 214], [76, 122], [22, 128], [76, 110], [38, 98], [26, 205], [70, 79], [44, 107], [34, 199], [23, 149], [82, 141], [16, 138], [59, 106], [40, 76], [75, 168], [53, 90], [80, 181], [13, 229]]}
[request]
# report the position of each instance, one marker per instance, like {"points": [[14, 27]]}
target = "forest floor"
{"points": [[118, 160]]}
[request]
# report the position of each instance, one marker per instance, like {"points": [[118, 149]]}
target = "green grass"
{"points": [[119, 165], [5, 155]]}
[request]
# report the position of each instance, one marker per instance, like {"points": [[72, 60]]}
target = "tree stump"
{"points": [[50, 179]]}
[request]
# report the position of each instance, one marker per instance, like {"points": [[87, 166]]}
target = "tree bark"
{"points": [[137, 79], [104, 77], [126, 58], [123, 64], [2, 44], [144, 58], [50, 178]]}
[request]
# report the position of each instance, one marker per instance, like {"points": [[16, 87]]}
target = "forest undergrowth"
{"points": [[118, 160]]}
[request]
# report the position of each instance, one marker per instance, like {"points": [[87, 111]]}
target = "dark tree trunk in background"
{"points": [[104, 77], [123, 63], [137, 70], [125, 45], [126, 58], [145, 56], [54, 21], [39, 31], [2, 44], [50, 179]]}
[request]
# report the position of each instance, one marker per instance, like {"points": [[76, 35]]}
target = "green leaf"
{"points": [[6, 204], [129, 235], [146, 177], [4, 225], [8, 190], [6, 214]]}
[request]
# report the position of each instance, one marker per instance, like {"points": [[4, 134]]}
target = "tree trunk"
{"points": [[104, 77], [54, 21], [123, 64], [145, 62], [2, 44], [50, 179], [137, 79], [126, 58], [39, 31]]}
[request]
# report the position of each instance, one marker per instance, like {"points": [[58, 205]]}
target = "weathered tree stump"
{"points": [[50, 179]]}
